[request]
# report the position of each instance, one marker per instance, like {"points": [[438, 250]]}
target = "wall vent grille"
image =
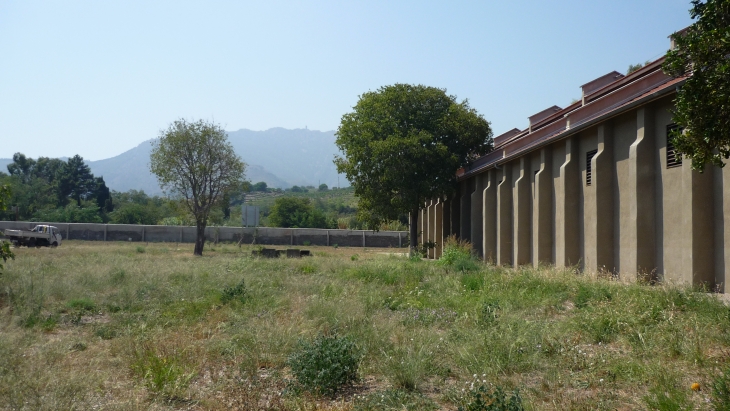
{"points": [[674, 159], [589, 157]]}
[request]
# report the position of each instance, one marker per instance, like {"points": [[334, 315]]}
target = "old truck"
{"points": [[40, 235]]}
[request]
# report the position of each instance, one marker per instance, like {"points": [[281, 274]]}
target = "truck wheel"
{"points": [[54, 245]]}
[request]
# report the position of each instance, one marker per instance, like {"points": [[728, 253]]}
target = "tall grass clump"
{"points": [[164, 372], [408, 366], [721, 392], [458, 254], [325, 365]]}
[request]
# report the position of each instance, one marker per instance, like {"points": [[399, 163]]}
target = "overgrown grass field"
{"points": [[120, 326]]}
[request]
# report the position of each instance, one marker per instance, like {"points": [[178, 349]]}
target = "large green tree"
{"points": [[76, 181], [402, 145], [702, 105], [297, 212], [195, 162]]}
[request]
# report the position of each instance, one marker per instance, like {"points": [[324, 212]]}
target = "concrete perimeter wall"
{"points": [[260, 235]]}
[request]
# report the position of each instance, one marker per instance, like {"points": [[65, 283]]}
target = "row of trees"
{"points": [[50, 189], [36, 192], [46, 186], [261, 186]]}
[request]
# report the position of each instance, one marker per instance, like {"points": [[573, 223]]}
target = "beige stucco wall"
{"points": [[489, 216], [721, 188], [504, 215], [587, 202], [670, 207], [624, 133], [636, 218], [542, 208]]}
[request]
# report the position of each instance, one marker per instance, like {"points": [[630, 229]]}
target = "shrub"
{"points": [[234, 293], [480, 398], [490, 312], [325, 365], [297, 212], [140, 249], [424, 248]]}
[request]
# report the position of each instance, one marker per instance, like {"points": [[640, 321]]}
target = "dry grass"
{"points": [[120, 326]]}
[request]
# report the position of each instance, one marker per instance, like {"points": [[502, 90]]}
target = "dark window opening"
{"points": [[674, 158], [589, 157]]}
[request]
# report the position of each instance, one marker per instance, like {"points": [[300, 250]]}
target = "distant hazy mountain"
{"points": [[4, 164], [278, 156], [300, 156]]}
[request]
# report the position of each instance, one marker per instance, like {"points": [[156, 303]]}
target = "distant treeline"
{"points": [[49, 189]]}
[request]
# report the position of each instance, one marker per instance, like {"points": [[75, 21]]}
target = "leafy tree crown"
{"points": [[402, 144], [195, 161], [702, 105]]}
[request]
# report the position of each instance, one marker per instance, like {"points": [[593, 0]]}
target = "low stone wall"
{"points": [[260, 235]]}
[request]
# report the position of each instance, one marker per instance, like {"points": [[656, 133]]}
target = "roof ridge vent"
{"points": [[502, 138], [594, 85], [536, 118]]}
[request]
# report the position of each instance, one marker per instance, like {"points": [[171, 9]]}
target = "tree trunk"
{"points": [[199, 239], [413, 233]]}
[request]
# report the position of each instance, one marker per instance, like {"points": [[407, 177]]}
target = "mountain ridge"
{"points": [[278, 156]]}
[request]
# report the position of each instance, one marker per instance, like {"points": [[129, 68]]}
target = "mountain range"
{"points": [[278, 156]]}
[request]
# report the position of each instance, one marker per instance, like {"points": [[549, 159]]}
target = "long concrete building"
{"points": [[596, 185]]}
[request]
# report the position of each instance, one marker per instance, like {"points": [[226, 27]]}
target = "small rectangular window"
{"points": [[674, 159], [589, 157]]}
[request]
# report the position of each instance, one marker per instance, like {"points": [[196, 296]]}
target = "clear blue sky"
{"points": [[96, 78]]}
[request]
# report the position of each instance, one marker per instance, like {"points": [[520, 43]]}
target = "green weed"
{"points": [[81, 304], [325, 365], [394, 400], [237, 293], [483, 398]]}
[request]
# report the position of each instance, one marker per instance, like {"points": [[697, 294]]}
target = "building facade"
{"points": [[596, 185]]}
